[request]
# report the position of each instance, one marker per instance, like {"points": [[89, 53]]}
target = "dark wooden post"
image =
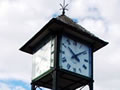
{"points": [[56, 80], [56, 63], [33, 87], [91, 83], [91, 86]]}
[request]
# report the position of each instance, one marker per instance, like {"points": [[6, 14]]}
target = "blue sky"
{"points": [[14, 85], [21, 19]]}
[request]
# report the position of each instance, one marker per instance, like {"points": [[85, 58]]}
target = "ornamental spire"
{"points": [[63, 7]]}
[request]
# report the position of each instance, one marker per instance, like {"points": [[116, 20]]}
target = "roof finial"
{"points": [[63, 7]]}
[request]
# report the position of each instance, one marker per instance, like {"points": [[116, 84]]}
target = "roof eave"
{"points": [[28, 47]]}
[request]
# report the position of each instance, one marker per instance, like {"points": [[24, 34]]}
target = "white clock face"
{"points": [[75, 57], [43, 60]]}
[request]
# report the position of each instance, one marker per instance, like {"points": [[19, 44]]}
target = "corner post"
{"points": [[91, 86], [92, 81], [55, 80], [33, 87], [56, 73]]}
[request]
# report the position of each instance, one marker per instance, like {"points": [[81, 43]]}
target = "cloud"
{"points": [[4, 86], [13, 85], [21, 19], [109, 10], [18, 88]]}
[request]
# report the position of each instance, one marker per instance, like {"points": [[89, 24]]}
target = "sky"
{"points": [[21, 19]]}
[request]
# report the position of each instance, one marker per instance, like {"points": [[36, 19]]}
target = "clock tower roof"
{"points": [[98, 43], [69, 21], [64, 24]]}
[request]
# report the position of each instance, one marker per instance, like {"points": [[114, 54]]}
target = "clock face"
{"points": [[43, 59], [75, 56]]}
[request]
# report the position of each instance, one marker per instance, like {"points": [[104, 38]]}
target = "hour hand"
{"points": [[83, 52], [73, 54]]}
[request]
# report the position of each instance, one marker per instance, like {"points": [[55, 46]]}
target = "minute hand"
{"points": [[83, 52], [73, 54]]}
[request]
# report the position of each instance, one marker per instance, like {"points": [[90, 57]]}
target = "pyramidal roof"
{"points": [[56, 25], [66, 20], [69, 21]]}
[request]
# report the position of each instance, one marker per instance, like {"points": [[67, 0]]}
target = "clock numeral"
{"points": [[80, 46], [68, 66], [52, 52], [63, 52], [75, 43], [68, 41], [85, 67], [80, 70], [86, 60], [64, 59], [74, 69], [38, 70], [52, 45], [64, 45]]}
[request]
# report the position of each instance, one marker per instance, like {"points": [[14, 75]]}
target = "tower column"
{"points": [[56, 80], [33, 87], [91, 86]]}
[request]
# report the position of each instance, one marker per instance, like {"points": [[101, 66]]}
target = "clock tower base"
{"points": [[62, 80]]}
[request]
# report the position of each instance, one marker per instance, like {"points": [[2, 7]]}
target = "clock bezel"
{"points": [[90, 55]]}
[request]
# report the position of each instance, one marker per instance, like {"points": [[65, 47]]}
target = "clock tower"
{"points": [[62, 55]]}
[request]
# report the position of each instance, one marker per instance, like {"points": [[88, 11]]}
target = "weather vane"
{"points": [[63, 7]]}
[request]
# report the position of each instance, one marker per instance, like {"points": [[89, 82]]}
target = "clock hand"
{"points": [[73, 54], [83, 52], [71, 50]]}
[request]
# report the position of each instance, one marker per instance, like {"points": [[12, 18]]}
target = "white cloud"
{"points": [[21, 19], [4, 86], [110, 9], [79, 7], [19, 88]]}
